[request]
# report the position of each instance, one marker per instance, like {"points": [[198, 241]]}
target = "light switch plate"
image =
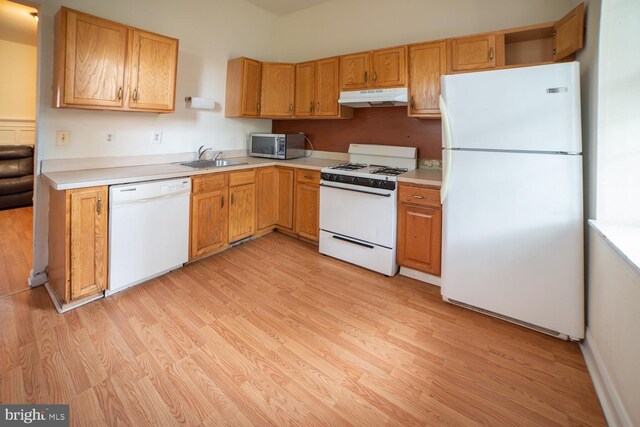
{"points": [[63, 137]]}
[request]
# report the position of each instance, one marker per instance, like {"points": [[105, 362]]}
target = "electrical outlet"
{"points": [[110, 137], [63, 137], [156, 137]]}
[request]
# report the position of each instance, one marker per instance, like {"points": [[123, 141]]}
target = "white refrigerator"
{"points": [[512, 196]]}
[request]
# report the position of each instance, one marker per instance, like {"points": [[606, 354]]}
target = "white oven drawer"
{"points": [[367, 214], [373, 257]]}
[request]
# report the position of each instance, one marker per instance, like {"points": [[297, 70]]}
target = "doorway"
{"points": [[18, 54]]}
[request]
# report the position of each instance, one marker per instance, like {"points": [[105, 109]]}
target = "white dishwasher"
{"points": [[148, 230]]}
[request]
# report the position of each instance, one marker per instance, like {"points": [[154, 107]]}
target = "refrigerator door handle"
{"points": [[446, 152]]}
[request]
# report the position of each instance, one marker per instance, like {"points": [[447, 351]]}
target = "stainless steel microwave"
{"points": [[277, 146]]}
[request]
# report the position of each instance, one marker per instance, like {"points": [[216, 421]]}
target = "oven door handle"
{"points": [[357, 191], [352, 241]]}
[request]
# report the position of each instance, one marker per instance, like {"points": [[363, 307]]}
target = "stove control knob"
{"points": [[354, 180]]}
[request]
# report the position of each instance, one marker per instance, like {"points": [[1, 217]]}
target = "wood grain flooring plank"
{"points": [[272, 333]]}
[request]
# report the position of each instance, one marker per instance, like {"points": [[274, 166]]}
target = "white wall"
{"points": [[210, 32], [17, 81], [344, 26], [614, 322], [613, 285], [619, 113]]}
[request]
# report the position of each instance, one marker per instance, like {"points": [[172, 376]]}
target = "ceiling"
{"points": [[285, 7], [16, 23]]}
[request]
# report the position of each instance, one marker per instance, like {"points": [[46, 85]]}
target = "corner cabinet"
{"points": [[242, 97], [427, 63], [78, 238], [278, 89], [307, 204], [100, 64], [419, 228]]}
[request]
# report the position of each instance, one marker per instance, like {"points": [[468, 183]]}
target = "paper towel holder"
{"points": [[195, 102]]}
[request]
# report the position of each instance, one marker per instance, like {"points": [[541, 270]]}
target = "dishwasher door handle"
{"points": [[357, 191]]}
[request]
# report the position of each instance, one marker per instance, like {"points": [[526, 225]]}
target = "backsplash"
{"points": [[383, 126]]}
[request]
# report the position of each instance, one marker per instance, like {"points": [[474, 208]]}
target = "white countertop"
{"points": [[423, 177], [67, 180]]}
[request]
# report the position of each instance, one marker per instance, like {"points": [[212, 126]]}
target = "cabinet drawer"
{"points": [[308, 176], [419, 195], [207, 183], [242, 177]]}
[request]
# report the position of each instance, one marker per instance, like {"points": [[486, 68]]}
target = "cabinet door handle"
{"points": [[366, 76], [415, 196], [413, 102], [311, 107], [222, 202], [120, 93], [99, 206], [375, 76], [318, 106], [308, 177], [233, 199], [490, 53], [258, 107], [135, 95], [290, 107]]}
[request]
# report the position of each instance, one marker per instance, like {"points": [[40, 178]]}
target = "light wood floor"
{"points": [[16, 249], [272, 333]]}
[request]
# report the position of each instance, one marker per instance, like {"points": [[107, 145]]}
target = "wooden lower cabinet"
{"points": [[307, 202], [242, 211], [266, 198], [209, 216], [78, 243], [419, 228], [286, 180]]}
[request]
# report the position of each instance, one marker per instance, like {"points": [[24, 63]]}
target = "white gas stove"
{"points": [[358, 206]]}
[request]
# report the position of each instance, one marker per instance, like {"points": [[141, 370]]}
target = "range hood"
{"points": [[374, 98]]}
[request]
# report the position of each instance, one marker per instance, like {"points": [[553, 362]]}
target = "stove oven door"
{"points": [[363, 213]]}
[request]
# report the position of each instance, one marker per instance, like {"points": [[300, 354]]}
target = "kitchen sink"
{"points": [[203, 164]]}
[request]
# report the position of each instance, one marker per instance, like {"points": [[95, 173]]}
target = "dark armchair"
{"points": [[16, 176]]}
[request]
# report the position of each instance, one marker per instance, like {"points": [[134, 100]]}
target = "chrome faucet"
{"points": [[218, 154], [203, 150]]}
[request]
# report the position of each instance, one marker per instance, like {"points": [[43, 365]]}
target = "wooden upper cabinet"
{"points": [[427, 62], [305, 89], [100, 64], [472, 53], [91, 56], [388, 67], [327, 88], [278, 90], [355, 71], [377, 69], [153, 72], [242, 97], [569, 33]]}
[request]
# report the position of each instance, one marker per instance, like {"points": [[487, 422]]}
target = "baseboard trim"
{"points": [[37, 279], [612, 406], [419, 275]]}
